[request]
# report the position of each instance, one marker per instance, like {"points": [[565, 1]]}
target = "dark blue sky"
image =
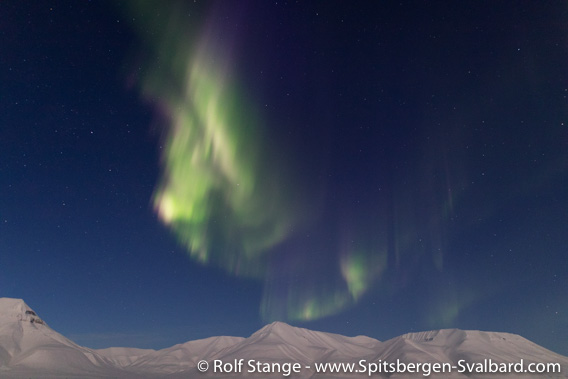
{"points": [[433, 132]]}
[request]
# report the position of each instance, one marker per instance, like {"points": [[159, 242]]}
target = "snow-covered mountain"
{"points": [[29, 348]]}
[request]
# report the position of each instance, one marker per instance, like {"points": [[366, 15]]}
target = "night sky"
{"points": [[177, 170]]}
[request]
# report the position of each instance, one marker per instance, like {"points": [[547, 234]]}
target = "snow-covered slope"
{"points": [[28, 346], [176, 359], [471, 347], [30, 349]]}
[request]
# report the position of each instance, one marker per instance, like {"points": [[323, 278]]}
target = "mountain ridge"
{"points": [[30, 348]]}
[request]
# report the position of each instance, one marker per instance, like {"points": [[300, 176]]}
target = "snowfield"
{"points": [[29, 348]]}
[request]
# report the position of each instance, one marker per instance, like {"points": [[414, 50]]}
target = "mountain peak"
{"points": [[278, 328], [9, 302], [16, 309], [279, 325]]}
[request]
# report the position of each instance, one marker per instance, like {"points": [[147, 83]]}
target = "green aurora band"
{"points": [[222, 192], [215, 192]]}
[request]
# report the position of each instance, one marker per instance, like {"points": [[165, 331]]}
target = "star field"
{"points": [[176, 170]]}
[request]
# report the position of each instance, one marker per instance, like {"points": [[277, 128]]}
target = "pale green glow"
{"points": [[304, 299], [316, 307], [450, 303], [359, 270], [313, 294]]}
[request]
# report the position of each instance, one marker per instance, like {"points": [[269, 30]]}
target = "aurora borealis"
{"points": [[222, 192], [216, 194], [173, 170]]}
